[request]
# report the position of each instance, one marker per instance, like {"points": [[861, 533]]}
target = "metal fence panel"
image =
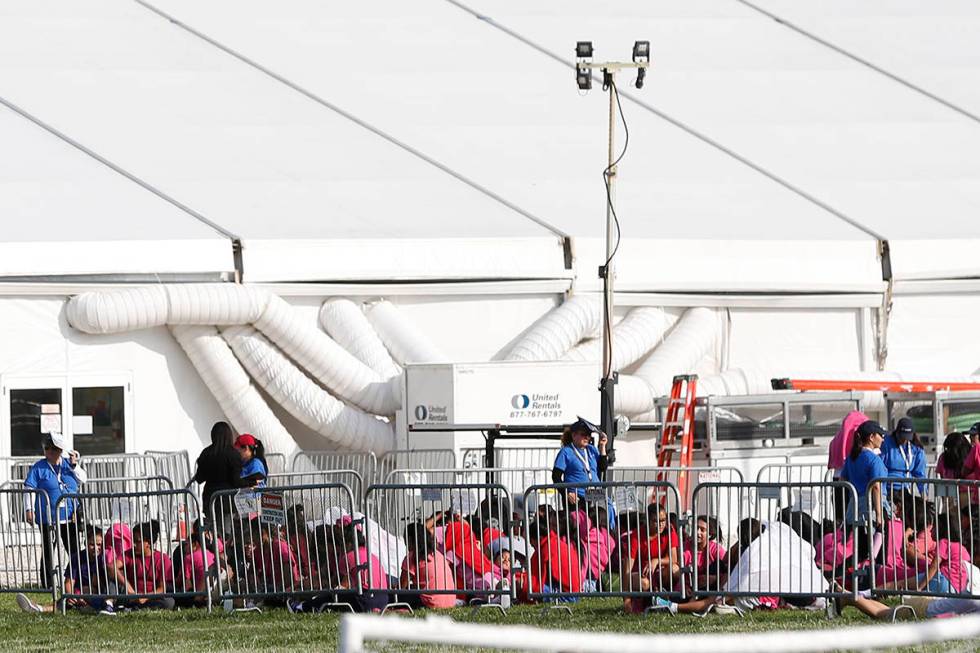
{"points": [[444, 531], [414, 459], [348, 477], [619, 538], [927, 539], [276, 463], [175, 465], [123, 465], [124, 499], [150, 559], [515, 480], [26, 550], [512, 456], [364, 463], [688, 477], [289, 542], [764, 546], [16, 468]]}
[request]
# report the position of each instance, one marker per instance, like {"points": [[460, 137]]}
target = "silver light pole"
{"points": [[583, 77]]}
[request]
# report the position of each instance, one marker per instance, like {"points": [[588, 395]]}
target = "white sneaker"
{"points": [[28, 605]]}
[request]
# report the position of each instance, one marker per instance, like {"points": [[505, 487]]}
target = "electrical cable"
{"points": [[607, 321]]}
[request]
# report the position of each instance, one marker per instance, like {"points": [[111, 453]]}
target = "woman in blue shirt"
{"points": [[578, 460], [254, 469], [862, 465], [52, 477], [902, 453]]}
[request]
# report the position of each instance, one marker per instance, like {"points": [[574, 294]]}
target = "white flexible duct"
{"points": [[402, 338], [684, 347], [633, 338], [556, 333], [346, 324], [239, 400], [344, 426], [233, 304]]}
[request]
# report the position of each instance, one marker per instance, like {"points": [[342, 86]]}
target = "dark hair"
{"points": [[258, 451], [801, 523], [222, 435], [91, 532], [419, 539], [566, 436], [712, 525], [749, 530], [147, 531], [956, 448], [861, 438]]}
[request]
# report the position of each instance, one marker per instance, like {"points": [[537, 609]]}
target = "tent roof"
{"points": [[315, 192]]}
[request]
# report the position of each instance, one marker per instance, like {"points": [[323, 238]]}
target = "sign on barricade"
{"points": [[929, 533], [348, 477], [289, 542], [27, 561], [457, 541], [761, 548], [148, 559], [584, 543]]}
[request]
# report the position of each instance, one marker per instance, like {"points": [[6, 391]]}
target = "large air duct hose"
{"points": [[346, 324], [228, 305], [633, 338], [239, 400], [556, 333], [681, 351], [344, 426], [403, 339]]}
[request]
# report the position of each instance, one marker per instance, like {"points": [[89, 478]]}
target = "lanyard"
{"points": [[584, 459], [907, 457]]}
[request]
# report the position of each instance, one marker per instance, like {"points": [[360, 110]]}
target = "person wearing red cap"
{"points": [[254, 468]]}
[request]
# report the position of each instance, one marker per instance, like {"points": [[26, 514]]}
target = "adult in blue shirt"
{"points": [[578, 460], [903, 454], [254, 469], [51, 477], [862, 465]]}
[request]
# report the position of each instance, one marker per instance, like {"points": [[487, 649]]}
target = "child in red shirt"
{"points": [[655, 563]]}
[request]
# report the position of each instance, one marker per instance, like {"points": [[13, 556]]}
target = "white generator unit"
{"points": [[504, 392]]}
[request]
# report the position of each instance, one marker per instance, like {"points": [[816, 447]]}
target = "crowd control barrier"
{"points": [[134, 557], [175, 465], [348, 477], [927, 538], [122, 465], [770, 549], [512, 457], [26, 548], [276, 463], [414, 459], [290, 541], [673, 475], [586, 544], [515, 480], [364, 463], [452, 530]]}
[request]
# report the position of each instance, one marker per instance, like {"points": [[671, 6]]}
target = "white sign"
{"points": [[625, 499], [50, 423], [50, 409], [595, 495], [246, 503], [710, 476], [272, 509], [432, 494], [81, 425]]}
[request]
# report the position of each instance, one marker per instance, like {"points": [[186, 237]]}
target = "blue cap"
{"points": [[582, 424], [975, 429], [869, 427]]}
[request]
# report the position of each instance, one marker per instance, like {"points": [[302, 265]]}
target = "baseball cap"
{"points": [[904, 426], [871, 426], [582, 424], [245, 440], [975, 429], [56, 440]]}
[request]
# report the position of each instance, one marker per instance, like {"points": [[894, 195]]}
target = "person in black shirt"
{"points": [[219, 467]]}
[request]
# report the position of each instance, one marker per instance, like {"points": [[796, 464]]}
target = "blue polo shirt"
{"points": [[910, 465], [859, 471], [54, 481], [570, 462], [252, 467]]}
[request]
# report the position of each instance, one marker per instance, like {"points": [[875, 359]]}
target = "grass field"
{"points": [[277, 630]]}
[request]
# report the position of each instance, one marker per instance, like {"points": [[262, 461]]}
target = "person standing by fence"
{"points": [[903, 454], [52, 477], [578, 460], [254, 468], [219, 467]]}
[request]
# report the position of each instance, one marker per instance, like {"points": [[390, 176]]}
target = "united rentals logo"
{"points": [[429, 414], [536, 405]]}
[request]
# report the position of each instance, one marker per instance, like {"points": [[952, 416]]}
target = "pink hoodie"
{"points": [[840, 446]]}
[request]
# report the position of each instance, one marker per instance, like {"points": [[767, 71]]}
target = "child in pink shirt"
{"points": [[425, 568]]}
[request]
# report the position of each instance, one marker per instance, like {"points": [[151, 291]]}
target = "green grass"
{"points": [[277, 630]]}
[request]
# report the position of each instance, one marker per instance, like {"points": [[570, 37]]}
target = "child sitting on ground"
{"points": [[425, 568], [144, 570]]}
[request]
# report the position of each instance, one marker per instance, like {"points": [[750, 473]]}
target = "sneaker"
{"points": [[28, 605], [660, 603], [108, 610], [294, 606]]}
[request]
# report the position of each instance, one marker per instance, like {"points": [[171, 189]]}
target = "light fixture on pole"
{"points": [[583, 76]]}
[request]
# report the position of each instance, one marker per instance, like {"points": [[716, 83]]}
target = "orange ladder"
{"points": [[677, 433]]}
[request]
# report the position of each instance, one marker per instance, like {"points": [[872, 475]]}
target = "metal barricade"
{"points": [[122, 465], [770, 550], [348, 477], [26, 549], [586, 544], [802, 473], [288, 542], [364, 463], [414, 459], [275, 463], [175, 465], [928, 537], [147, 560], [512, 457], [16, 468], [452, 544], [515, 480], [105, 508], [691, 477]]}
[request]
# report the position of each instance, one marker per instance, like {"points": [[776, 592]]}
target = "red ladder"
{"points": [[677, 433]]}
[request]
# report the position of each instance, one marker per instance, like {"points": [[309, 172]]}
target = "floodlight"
{"points": [[583, 49], [641, 50], [583, 77], [640, 74]]}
